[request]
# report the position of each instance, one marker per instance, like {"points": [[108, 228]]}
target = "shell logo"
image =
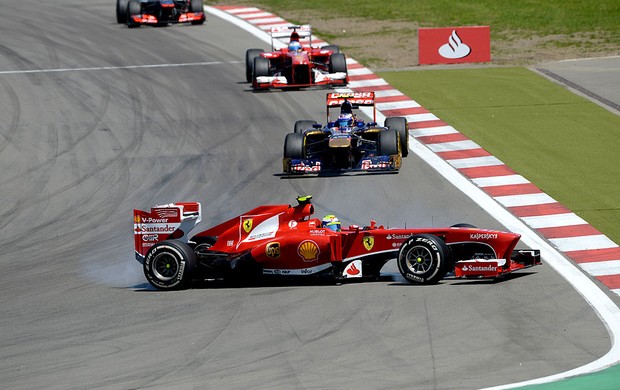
{"points": [[308, 250], [136, 219]]}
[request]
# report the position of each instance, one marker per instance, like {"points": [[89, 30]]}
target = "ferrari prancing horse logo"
{"points": [[369, 242], [247, 225]]}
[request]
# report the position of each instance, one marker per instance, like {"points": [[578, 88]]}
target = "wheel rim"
{"points": [[419, 260], [165, 267]]}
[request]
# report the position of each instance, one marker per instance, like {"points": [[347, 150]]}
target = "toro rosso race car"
{"points": [[284, 241], [159, 12], [296, 65], [346, 142]]}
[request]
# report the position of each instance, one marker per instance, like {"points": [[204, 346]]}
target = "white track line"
{"points": [[117, 67]]}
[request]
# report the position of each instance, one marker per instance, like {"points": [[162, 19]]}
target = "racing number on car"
{"points": [[369, 242]]}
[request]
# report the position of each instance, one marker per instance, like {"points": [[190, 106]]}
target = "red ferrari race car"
{"points": [[296, 65], [159, 12], [284, 241], [346, 142]]}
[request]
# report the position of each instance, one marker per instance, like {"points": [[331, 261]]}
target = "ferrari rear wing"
{"points": [[296, 33], [170, 221], [357, 100]]}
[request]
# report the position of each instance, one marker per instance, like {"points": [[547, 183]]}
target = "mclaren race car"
{"points": [[159, 12], [284, 241], [295, 66], [346, 142]]}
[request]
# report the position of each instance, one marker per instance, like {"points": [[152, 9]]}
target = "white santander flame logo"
{"points": [[455, 48]]}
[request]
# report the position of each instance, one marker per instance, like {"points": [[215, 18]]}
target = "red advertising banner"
{"points": [[453, 45]]}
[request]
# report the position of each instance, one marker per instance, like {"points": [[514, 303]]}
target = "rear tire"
{"points": [[388, 143], [424, 259], [294, 146], [261, 67], [300, 126], [169, 265], [250, 54], [401, 125], [121, 11], [133, 8], [337, 63]]}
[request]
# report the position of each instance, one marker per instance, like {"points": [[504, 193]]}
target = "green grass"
{"points": [[561, 142], [533, 16]]}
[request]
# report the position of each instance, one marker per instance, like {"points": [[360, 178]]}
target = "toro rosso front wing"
{"points": [[366, 164]]}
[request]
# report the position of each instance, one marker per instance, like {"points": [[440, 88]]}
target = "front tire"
{"points": [[121, 11], [388, 143], [294, 146], [261, 67], [133, 8], [333, 48], [424, 259], [169, 265], [196, 6], [401, 126], [337, 63], [250, 54], [300, 126]]}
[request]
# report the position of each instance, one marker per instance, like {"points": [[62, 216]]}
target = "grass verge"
{"points": [[561, 142]]}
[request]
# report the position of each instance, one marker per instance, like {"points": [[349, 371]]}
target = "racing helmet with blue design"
{"points": [[345, 120], [331, 222], [294, 46]]}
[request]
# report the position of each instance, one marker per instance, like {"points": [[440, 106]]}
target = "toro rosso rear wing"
{"points": [[171, 221], [356, 99], [296, 33]]}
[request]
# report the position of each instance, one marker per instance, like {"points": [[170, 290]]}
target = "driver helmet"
{"points": [[332, 222], [294, 46], [345, 120]]}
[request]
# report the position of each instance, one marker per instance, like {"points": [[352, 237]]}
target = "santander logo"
{"points": [[352, 270], [455, 48]]}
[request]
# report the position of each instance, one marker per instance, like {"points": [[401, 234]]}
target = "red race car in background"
{"points": [[286, 242], [159, 12], [296, 65]]}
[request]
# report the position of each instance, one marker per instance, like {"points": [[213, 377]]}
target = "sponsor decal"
{"points": [[367, 164], [317, 232], [369, 242], [397, 236], [353, 270], [292, 224], [230, 243], [301, 167], [479, 268], [483, 236], [155, 228], [150, 237], [452, 45], [167, 213], [247, 225], [308, 250], [272, 250]]}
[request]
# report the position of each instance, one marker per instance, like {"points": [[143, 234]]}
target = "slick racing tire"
{"points": [[261, 67], [250, 54], [300, 126], [424, 259], [294, 146], [388, 142], [133, 8], [121, 11], [337, 63], [169, 265], [400, 124], [463, 225], [334, 48], [196, 6]]}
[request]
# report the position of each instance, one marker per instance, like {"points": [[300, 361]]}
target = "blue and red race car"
{"points": [[296, 65], [347, 142], [284, 241], [159, 12]]}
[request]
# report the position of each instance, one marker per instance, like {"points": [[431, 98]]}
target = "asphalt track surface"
{"points": [[98, 120]]}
